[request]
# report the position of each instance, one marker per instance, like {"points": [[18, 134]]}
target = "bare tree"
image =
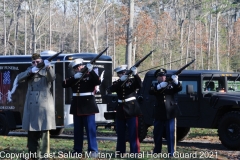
{"points": [[91, 13]]}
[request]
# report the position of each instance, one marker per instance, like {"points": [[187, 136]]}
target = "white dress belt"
{"points": [[83, 94], [126, 100]]}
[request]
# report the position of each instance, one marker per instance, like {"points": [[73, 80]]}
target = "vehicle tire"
{"points": [[229, 130], [182, 133], [56, 132], [4, 129]]}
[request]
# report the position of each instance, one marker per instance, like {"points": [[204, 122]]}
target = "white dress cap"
{"points": [[120, 68], [75, 62], [47, 52]]}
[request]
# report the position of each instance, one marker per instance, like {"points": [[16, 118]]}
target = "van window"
{"points": [[184, 86], [233, 84], [213, 84]]}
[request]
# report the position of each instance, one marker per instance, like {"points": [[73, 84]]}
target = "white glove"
{"points": [[90, 67], [162, 85], [123, 77], [77, 75], [35, 69], [175, 79], [134, 70], [46, 63]]}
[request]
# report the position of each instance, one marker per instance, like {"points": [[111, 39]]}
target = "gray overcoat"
{"points": [[39, 110]]}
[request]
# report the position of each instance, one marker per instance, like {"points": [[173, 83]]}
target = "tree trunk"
{"points": [[50, 27], [79, 27], [229, 42], [130, 33], [106, 24], [114, 38], [5, 28], [16, 26], [209, 40], [33, 47], [217, 49], [15, 33], [201, 46], [188, 37], [25, 29], [195, 44]]}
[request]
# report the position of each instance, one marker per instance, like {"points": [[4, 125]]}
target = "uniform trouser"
{"points": [[34, 143], [132, 124], [87, 121], [159, 126]]}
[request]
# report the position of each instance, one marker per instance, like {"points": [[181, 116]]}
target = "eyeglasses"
{"points": [[33, 62]]}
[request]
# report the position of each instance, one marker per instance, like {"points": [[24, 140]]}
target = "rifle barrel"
{"points": [[136, 65]]}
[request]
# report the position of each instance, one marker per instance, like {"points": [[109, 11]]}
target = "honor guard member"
{"points": [[83, 106], [39, 109], [166, 109], [127, 109]]}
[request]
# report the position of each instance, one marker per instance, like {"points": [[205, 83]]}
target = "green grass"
{"points": [[62, 147], [196, 132]]}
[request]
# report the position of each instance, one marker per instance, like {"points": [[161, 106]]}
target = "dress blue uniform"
{"points": [[165, 112], [83, 108], [127, 111]]}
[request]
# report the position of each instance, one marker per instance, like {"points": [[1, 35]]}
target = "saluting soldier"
{"points": [[39, 109], [166, 109], [83, 105], [128, 109]]}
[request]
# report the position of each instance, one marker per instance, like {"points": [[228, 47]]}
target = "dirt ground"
{"points": [[213, 144]]}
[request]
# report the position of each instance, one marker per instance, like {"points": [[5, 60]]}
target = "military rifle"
{"points": [[179, 71], [136, 65], [41, 64], [85, 69]]}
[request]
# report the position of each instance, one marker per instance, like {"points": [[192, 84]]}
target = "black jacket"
{"points": [[130, 108], [83, 105], [166, 106]]}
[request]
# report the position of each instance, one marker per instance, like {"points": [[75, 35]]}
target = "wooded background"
{"points": [[207, 30]]}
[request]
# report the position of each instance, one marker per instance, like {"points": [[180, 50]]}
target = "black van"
{"points": [[12, 99], [209, 99]]}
